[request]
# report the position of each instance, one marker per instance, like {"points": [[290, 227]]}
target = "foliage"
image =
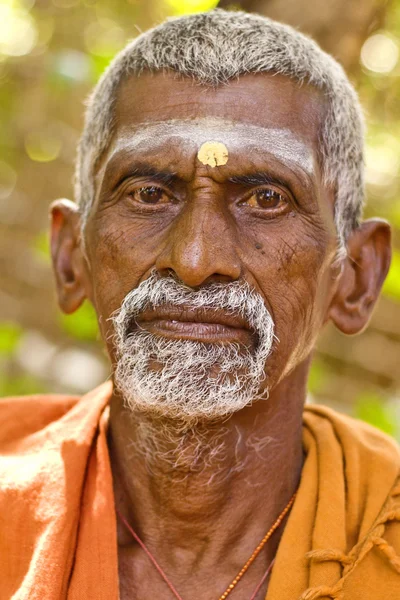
{"points": [[21, 385], [391, 287], [40, 247], [373, 409], [82, 324], [317, 377], [182, 7], [10, 334]]}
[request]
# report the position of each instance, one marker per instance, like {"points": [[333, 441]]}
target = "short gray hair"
{"points": [[214, 48]]}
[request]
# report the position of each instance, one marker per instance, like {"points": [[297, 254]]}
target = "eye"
{"points": [[266, 198], [150, 195]]}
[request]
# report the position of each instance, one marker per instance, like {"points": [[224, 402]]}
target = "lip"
{"points": [[205, 325]]}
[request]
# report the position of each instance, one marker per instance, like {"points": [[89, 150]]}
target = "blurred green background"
{"points": [[51, 54]]}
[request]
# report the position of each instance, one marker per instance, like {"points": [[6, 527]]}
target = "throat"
{"points": [[174, 450], [178, 485], [201, 501], [185, 470], [202, 497]]}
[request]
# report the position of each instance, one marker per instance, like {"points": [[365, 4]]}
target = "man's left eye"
{"points": [[266, 199]]}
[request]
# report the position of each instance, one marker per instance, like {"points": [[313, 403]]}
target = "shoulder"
{"points": [[353, 435], [30, 422], [21, 416], [356, 467], [355, 457]]}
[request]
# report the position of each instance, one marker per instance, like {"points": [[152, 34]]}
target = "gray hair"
{"points": [[215, 47]]}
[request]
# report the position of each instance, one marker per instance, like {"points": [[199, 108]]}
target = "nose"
{"points": [[201, 246]]}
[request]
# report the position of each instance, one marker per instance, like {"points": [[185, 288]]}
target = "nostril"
{"points": [[195, 285], [168, 272], [219, 278]]}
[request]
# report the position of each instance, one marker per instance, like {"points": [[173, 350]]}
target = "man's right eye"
{"points": [[150, 195]]}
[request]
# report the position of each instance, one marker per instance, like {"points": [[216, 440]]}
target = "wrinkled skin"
{"points": [[213, 231]]}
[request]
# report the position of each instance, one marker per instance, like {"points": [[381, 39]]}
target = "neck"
{"points": [[200, 491]]}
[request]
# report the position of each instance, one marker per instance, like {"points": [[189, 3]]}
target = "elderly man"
{"points": [[217, 229]]}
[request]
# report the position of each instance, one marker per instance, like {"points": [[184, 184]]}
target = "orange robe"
{"points": [[58, 525]]}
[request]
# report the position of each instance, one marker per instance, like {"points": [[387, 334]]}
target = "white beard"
{"points": [[188, 380]]}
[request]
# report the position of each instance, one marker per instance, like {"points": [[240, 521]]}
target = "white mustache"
{"points": [[232, 298], [193, 380]]}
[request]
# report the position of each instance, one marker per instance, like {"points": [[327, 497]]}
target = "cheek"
{"points": [[295, 277], [120, 258]]}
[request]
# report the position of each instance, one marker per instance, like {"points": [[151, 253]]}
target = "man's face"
{"points": [[216, 186]]}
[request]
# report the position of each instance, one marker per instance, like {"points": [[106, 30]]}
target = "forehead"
{"points": [[243, 108], [268, 123], [263, 99]]}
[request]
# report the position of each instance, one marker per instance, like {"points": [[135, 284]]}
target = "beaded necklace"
{"points": [[243, 570]]}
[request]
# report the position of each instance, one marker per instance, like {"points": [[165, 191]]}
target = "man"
{"points": [[217, 229]]}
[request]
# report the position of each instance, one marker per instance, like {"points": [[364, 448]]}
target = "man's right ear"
{"points": [[69, 262]]}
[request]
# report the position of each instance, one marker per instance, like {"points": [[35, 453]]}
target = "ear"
{"points": [[364, 271], [69, 262]]}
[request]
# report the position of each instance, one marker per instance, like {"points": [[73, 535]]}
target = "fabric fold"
{"points": [[57, 518], [348, 477], [47, 465]]}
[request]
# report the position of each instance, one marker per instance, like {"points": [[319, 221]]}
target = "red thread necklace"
{"points": [[243, 570]]}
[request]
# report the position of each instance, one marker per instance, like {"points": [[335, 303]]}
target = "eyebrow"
{"points": [[257, 179], [164, 177]]}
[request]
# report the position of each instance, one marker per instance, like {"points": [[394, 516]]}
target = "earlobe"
{"points": [[364, 271], [69, 263]]}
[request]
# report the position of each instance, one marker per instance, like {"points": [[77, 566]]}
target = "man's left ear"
{"points": [[364, 271]]}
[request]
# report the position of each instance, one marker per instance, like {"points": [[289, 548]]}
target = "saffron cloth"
{"points": [[58, 524]]}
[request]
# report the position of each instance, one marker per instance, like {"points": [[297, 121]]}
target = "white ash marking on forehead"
{"points": [[279, 142]]}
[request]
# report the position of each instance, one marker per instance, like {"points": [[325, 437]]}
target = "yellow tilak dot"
{"points": [[213, 154]]}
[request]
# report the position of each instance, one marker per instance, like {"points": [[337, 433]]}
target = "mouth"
{"points": [[205, 325]]}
